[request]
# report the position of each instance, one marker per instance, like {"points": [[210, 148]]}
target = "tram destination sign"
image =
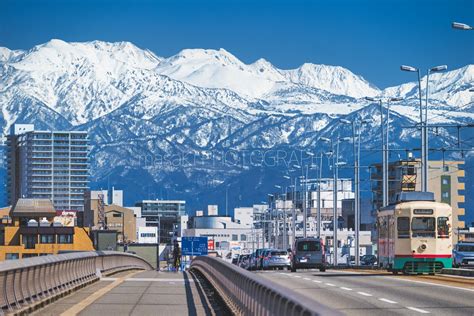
{"points": [[423, 212], [194, 246]]}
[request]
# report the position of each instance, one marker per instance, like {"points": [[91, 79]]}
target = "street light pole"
{"points": [[319, 193], [424, 121], [334, 205]]}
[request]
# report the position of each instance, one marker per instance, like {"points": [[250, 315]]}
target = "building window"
{"points": [[29, 255], [445, 168], [445, 195], [47, 239], [29, 241], [12, 256], [235, 237], [65, 239], [445, 181], [243, 237]]}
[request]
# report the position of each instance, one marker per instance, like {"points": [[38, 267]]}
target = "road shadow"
{"points": [[189, 296]]}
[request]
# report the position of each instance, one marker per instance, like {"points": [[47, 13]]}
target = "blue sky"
{"points": [[371, 38]]}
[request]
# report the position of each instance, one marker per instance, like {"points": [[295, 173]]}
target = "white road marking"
{"points": [[364, 294], [387, 301], [429, 283], [418, 310], [316, 281], [307, 279], [346, 288], [329, 284], [155, 280], [297, 276]]}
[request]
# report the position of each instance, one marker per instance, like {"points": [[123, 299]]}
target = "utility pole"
{"points": [[319, 193]]}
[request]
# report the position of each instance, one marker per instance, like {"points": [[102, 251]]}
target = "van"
{"points": [[307, 253]]}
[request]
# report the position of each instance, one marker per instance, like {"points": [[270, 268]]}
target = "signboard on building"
{"points": [[194, 246], [210, 244], [66, 218]]}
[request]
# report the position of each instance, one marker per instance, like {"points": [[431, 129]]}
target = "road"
{"points": [[377, 293]]}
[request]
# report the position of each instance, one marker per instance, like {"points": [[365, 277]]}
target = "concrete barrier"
{"points": [[36, 281]]}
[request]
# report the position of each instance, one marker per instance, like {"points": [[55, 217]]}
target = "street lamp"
{"points": [[336, 164], [356, 136], [424, 121], [384, 149], [462, 26]]}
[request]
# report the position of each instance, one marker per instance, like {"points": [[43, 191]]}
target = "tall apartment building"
{"points": [[164, 214], [47, 165], [445, 180]]}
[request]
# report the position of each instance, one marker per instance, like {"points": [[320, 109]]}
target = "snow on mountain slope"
{"points": [[8, 55], [81, 81], [220, 69], [450, 87], [334, 79]]}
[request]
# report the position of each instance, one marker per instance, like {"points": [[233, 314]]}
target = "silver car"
{"points": [[276, 259]]}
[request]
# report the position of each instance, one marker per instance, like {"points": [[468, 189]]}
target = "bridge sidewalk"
{"points": [[143, 293]]}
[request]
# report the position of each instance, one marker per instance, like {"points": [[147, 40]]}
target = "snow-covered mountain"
{"points": [[188, 125], [220, 69]]}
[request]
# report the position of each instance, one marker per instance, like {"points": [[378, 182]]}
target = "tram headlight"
{"points": [[422, 247]]}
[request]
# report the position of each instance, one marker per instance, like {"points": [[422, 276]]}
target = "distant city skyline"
{"points": [[370, 38]]}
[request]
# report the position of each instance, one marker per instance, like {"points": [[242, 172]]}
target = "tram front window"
{"points": [[423, 227], [403, 227]]}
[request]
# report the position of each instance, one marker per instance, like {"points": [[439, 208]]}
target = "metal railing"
{"points": [[250, 294], [28, 281]]}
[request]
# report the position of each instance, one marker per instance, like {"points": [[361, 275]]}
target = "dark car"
{"points": [[259, 258], [368, 260], [308, 253]]}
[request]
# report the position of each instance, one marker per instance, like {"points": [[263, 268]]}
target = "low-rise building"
{"points": [[33, 228], [164, 214], [117, 218]]}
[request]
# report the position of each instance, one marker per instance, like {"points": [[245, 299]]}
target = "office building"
{"points": [[164, 214], [47, 165]]}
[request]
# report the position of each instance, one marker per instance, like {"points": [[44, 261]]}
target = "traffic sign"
{"points": [[194, 246]]}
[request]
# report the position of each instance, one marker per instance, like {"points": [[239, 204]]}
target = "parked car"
{"points": [[463, 254], [259, 258], [308, 253], [368, 260], [235, 258], [276, 259], [252, 261], [243, 261]]}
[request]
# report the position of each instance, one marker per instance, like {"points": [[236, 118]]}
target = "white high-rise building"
{"points": [[50, 165]]}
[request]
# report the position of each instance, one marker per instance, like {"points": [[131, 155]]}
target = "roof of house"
{"points": [[33, 208]]}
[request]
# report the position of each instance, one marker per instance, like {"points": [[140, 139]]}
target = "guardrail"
{"points": [[29, 281], [250, 294]]}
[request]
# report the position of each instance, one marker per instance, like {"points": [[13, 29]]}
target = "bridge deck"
{"points": [[139, 293]]}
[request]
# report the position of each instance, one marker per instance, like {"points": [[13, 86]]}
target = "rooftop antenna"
{"points": [[101, 210]]}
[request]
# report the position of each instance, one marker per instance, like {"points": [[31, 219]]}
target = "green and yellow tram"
{"points": [[414, 234]]}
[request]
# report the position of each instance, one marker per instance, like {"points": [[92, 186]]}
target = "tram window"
{"points": [[423, 226], [403, 227], [443, 227]]}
